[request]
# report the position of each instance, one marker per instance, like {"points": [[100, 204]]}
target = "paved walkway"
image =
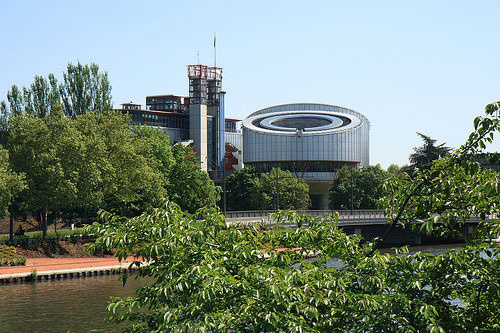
{"points": [[56, 264]]}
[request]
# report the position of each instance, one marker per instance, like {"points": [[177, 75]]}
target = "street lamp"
{"points": [[277, 192], [352, 196], [224, 184]]}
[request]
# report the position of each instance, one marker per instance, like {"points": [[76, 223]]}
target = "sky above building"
{"points": [[409, 66]]}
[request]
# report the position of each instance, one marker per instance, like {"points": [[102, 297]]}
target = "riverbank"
{"points": [[60, 268], [55, 259], [58, 249]]}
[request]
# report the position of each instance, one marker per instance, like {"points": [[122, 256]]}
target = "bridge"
{"points": [[345, 218], [367, 223]]}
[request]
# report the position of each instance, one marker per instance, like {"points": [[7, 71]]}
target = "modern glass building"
{"points": [[310, 140]]}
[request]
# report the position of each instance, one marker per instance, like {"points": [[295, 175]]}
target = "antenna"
{"points": [[215, 52], [198, 56]]}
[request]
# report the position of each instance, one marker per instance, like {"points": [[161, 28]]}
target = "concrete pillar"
{"points": [[321, 189], [323, 201], [198, 132]]}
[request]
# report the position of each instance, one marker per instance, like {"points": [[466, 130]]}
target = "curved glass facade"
{"points": [[312, 141], [280, 134]]}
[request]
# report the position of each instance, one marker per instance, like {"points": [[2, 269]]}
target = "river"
{"points": [[74, 305], [78, 305]]}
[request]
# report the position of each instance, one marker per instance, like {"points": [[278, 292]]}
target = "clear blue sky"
{"points": [[426, 66]]}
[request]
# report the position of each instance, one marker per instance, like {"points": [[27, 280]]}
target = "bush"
{"points": [[10, 257]]}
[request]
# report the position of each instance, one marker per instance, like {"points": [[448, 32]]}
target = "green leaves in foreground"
{"points": [[208, 277], [212, 278]]}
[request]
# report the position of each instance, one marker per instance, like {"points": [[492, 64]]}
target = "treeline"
{"points": [[356, 188], [248, 190], [362, 188], [65, 153]]}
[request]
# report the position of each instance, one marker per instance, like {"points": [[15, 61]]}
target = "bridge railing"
{"points": [[345, 216], [266, 213], [366, 216]]}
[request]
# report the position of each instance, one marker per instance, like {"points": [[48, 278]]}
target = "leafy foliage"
{"points": [[189, 186], [156, 148], [10, 257], [366, 187], [210, 277], [85, 89], [88, 162], [451, 190], [423, 156], [293, 192], [114, 172], [394, 169], [243, 190], [43, 150], [43, 98], [247, 190], [11, 183]]}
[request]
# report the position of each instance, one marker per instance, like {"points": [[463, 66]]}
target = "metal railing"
{"points": [[358, 217], [266, 213]]}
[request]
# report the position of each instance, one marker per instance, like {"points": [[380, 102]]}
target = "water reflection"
{"points": [[432, 249], [75, 305], [79, 305]]}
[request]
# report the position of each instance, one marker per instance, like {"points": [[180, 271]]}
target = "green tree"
{"points": [[43, 150], [43, 98], [113, 171], [4, 121], [76, 152], [90, 162], [366, 187], [393, 169], [85, 89], [154, 146], [38, 100], [11, 184], [293, 192], [16, 101], [189, 186], [210, 277], [244, 190], [157, 149], [423, 156]]}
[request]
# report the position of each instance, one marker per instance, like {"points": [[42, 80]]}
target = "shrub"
{"points": [[10, 257]]}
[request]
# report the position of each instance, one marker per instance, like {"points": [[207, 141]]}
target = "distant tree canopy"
{"points": [[84, 89], [393, 169], [243, 190], [189, 186], [90, 161], [248, 190], [293, 192], [424, 155], [366, 187], [11, 183], [67, 152]]}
